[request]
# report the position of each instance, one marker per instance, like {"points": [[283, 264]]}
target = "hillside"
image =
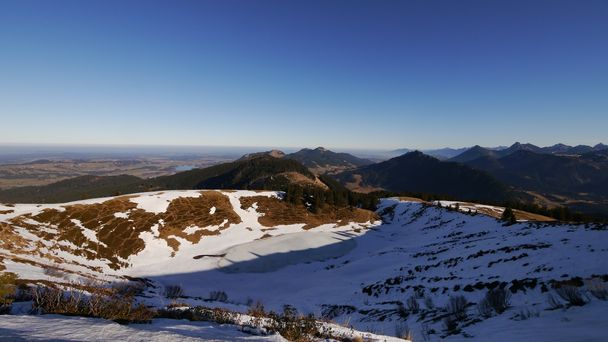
{"points": [[440, 153], [473, 153], [257, 172], [381, 275], [566, 179], [260, 171], [74, 189], [321, 160], [417, 172]]}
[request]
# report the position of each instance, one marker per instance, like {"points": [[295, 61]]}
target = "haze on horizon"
{"points": [[339, 74]]}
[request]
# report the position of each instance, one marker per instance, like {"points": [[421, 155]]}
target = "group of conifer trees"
{"points": [[316, 199]]}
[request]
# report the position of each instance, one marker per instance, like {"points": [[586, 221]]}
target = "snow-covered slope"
{"points": [[62, 328], [370, 275]]}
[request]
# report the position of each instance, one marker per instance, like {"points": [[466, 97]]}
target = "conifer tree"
{"points": [[508, 216]]}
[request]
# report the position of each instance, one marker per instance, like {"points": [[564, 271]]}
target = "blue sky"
{"points": [[356, 74]]}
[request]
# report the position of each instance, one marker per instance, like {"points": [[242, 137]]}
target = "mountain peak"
{"points": [[600, 146], [271, 153]]}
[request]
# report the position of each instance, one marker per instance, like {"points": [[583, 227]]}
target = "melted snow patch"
{"points": [[88, 233], [121, 215], [192, 229], [158, 202]]}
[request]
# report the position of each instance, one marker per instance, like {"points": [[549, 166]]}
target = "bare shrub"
{"points": [[554, 303], [428, 302], [126, 289], [23, 293], [484, 308], [256, 309], [7, 291], [598, 289], [293, 326], [450, 324], [174, 291], [53, 271], [571, 294], [115, 303], [526, 313], [497, 299], [412, 305], [403, 331], [218, 296], [425, 332], [218, 315], [457, 307]]}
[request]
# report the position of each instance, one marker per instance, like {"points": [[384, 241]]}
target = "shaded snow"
{"points": [[61, 328], [271, 254]]}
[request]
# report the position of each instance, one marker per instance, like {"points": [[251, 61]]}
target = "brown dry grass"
{"points": [[184, 212], [412, 199], [524, 215], [118, 236], [278, 212], [357, 186], [300, 179]]}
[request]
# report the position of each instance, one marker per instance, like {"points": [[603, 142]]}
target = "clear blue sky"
{"points": [[358, 74]]}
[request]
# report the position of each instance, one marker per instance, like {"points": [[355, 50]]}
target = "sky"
{"points": [[343, 74]]}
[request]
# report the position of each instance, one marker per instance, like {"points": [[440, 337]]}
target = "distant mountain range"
{"points": [[557, 149], [550, 176], [455, 153], [441, 153], [321, 160], [417, 172]]}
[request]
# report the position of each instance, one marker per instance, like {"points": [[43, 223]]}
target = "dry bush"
{"points": [[571, 294], [54, 271], [218, 315], [412, 305], [484, 308], [7, 291], [598, 289], [497, 300], [115, 303], [456, 311], [554, 303], [450, 324], [174, 291], [218, 296], [525, 314], [428, 302], [256, 309], [294, 327], [23, 293], [457, 307], [403, 331]]}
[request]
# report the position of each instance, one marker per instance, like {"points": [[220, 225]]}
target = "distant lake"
{"points": [[184, 168]]}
